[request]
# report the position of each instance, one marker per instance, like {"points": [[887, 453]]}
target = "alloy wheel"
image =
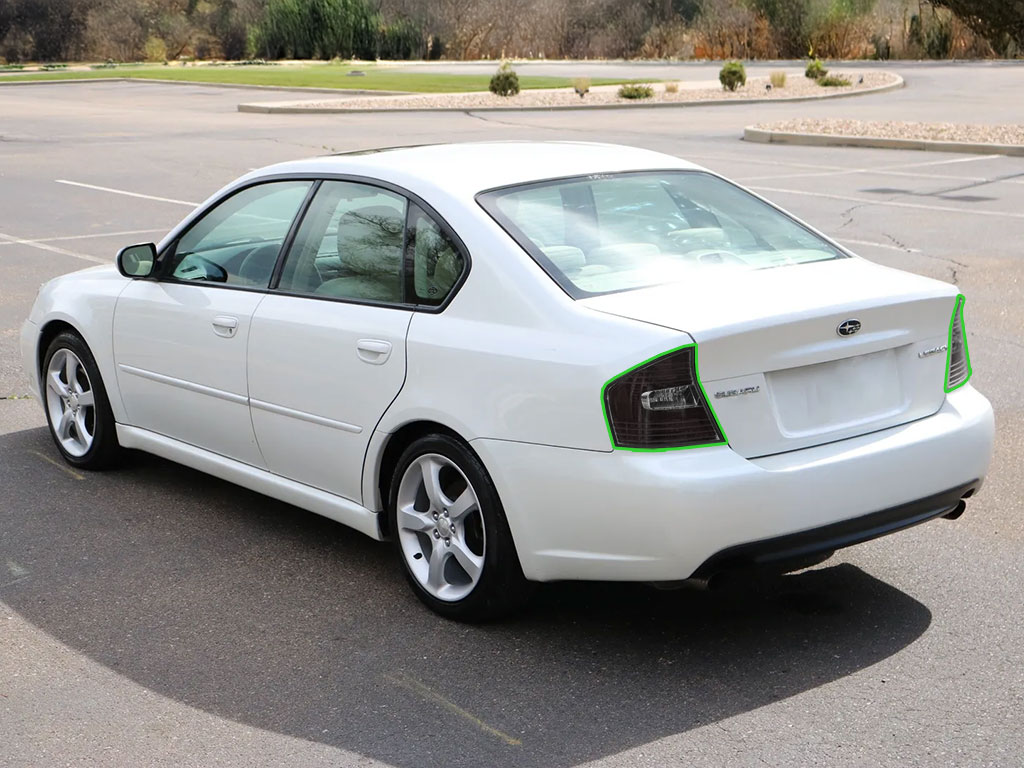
{"points": [[71, 402], [440, 527]]}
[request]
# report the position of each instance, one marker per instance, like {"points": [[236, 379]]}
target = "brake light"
{"points": [[958, 359], [660, 405]]}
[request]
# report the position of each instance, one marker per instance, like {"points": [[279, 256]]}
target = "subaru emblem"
{"points": [[848, 327]]}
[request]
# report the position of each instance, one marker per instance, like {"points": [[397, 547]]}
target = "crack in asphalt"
{"points": [[973, 185], [477, 116]]}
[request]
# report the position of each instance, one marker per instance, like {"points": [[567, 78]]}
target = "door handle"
{"points": [[373, 351], [225, 325]]}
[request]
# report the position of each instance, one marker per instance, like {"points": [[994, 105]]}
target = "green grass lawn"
{"points": [[308, 76]]}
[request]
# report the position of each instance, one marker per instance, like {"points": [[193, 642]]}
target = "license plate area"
{"points": [[838, 395]]}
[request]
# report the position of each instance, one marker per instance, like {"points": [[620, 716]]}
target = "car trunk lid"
{"points": [[776, 368]]}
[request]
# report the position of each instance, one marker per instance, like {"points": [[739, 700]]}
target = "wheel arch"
{"points": [[392, 446], [50, 330]]}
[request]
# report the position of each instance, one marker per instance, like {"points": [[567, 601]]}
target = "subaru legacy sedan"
{"points": [[525, 362]]}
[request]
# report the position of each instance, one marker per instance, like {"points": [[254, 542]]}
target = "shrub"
{"points": [[581, 85], [635, 91], [671, 87], [51, 67], [733, 75], [155, 49], [815, 70], [833, 81], [778, 79], [504, 82], [882, 46]]}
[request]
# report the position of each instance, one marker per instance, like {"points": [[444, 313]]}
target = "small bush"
{"points": [[778, 79], [108, 64], [155, 49], [635, 91], [733, 75], [815, 70], [671, 87], [581, 85], [51, 67], [882, 46], [11, 66], [504, 82], [833, 81]]}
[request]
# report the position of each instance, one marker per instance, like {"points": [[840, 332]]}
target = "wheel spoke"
{"points": [[431, 471], [86, 399], [70, 368], [53, 382], [466, 502], [64, 425], [471, 563], [83, 433], [411, 520], [435, 569]]}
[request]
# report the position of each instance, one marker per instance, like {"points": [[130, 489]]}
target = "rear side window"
{"points": [[349, 245], [364, 243], [614, 232], [436, 263]]}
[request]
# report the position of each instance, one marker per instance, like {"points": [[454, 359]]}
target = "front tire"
{"points": [[450, 532], [77, 409]]}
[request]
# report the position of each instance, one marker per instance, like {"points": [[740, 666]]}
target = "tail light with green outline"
{"points": [[660, 405], [958, 359]]}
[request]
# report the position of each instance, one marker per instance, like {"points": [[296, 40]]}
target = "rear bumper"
{"points": [[794, 550], [627, 516]]}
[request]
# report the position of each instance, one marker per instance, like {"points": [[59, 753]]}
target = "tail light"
{"points": [[660, 405], [958, 359]]}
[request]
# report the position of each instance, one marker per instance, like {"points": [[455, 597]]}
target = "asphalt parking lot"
{"points": [[156, 616]]}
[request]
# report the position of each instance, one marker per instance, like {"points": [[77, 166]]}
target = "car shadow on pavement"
{"points": [[256, 611]]}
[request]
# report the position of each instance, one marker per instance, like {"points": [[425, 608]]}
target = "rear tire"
{"points": [[450, 532], [77, 409]]}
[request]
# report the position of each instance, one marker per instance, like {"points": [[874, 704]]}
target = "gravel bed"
{"points": [[796, 85], [890, 129]]}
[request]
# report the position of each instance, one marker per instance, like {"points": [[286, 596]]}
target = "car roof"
{"points": [[469, 168]]}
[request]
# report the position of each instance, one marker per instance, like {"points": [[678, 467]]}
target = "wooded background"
{"points": [[162, 30]]}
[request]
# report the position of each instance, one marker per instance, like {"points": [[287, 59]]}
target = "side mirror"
{"points": [[137, 260]]}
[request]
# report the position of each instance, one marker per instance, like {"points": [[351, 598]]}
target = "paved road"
{"points": [[156, 616]]}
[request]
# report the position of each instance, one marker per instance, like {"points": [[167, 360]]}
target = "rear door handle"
{"points": [[373, 351], [225, 325]]}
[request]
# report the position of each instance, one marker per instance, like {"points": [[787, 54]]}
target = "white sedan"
{"points": [[525, 362]]}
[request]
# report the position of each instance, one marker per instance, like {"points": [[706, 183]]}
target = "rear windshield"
{"points": [[606, 233]]}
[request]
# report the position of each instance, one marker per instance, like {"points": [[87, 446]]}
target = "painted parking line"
{"points": [[90, 236], [878, 172], [11, 240], [62, 467], [887, 246], [824, 169], [431, 695], [953, 161], [890, 203], [126, 192]]}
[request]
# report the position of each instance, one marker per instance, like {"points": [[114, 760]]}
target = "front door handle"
{"points": [[373, 351], [225, 325]]}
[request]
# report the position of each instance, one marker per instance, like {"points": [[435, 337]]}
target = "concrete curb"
{"points": [[762, 136], [241, 86], [269, 108]]}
